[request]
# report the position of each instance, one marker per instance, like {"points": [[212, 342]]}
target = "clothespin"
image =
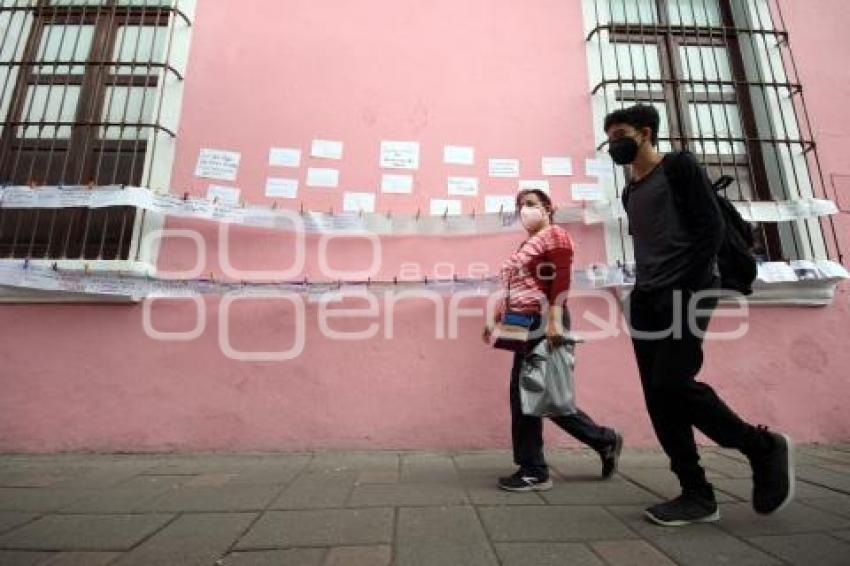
{"points": [[26, 263], [302, 208], [32, 183], [87, 269], [360, 213], [501, 209], [186, 196], [425, 279], [446, 213], [418, 214], [91, 184], [212, 277], [215, 200], [274, 205], [389, 214], [473, 214], [55, 266], [339, 284], [395, 280], [330, 211]]}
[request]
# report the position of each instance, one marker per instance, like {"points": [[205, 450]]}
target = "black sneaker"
{"points": [[690, 507], [523, 480], [773, 474], [611, 456]]}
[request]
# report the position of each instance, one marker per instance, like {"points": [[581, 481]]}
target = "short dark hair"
{"points": [[638, 116], [544, 198]]}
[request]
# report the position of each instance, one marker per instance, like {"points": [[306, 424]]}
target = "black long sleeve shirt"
{"points": [[676, 224]]}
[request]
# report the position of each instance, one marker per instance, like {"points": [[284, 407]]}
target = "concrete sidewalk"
{"points": [[380, 508]]}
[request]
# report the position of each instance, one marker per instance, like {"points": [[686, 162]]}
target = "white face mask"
{"points": [[533, 217]]}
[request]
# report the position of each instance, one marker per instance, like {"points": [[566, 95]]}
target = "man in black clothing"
{"points": [[677, 230]]}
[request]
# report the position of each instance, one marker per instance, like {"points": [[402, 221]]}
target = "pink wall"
{"points": [[508, 78]]}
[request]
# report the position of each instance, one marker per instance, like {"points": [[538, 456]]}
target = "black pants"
{"points": [[668, 366], [527, 431]]}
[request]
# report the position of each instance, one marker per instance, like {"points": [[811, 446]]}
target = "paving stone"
{"points": [[40, 500], [119, 499], [23, 557], [743, 488], [319, 489], [321, 527], [291, 557], [359, 556], [612, 492], [191, 539], [340, 461], [406, 494], [741, 520], [499, 461], [551, 523], [84, 532], [546, 554], [428, 468], [441, 535], [264, 475], [630, 553], [28, 479], [213, 499], [11, 519], [663, 483], [81, 559], [378, 476], [633, 517], [835, 479], [209, 480], [814, 548], [692, 548], [107, 474]]}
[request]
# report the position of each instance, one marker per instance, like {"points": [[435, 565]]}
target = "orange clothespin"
{"points": [[91, 184]]}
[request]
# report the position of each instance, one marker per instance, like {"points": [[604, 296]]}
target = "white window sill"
{"points": [[18, 295], [807, 293]]}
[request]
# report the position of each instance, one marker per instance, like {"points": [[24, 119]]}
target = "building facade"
{"points": [[423, 114]]}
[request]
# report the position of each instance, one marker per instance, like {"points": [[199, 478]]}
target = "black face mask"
{"points": [[623, 150]]}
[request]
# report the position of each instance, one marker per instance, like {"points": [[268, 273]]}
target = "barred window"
{"points": [[80, 93], [721, 74]]}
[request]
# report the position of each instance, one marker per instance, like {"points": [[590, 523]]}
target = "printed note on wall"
{"points": [[218, 164]]}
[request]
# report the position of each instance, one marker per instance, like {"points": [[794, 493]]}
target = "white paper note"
{"points": [[326, 149], [587, 192], [320, 177], [358, 202], [399, 155], [832, 269], [557, 166], [794, 210], [764, 212], [458, 155], [504, 167], [600, 167], [531, 184], [223, 195], [277, 187], [284, 157], [440, 207], [499, 203], [821, 207], [776, 272], [402, 184], [463, 186], [218, 164]]}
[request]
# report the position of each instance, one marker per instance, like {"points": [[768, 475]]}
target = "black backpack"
{"points": [[735, 260]]}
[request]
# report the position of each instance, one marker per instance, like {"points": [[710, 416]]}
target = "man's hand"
{"points": [[555, 334], [487, 334]]}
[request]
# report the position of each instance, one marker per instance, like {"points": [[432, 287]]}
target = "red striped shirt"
{"points": [[539, 271]]}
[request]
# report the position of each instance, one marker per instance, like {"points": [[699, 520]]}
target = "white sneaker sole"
{"points": [[545, 486], [713, 518]]}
